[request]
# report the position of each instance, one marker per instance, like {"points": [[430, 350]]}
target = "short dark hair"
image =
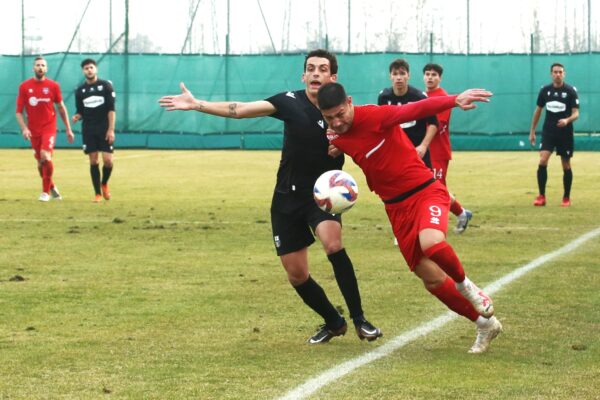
{"points": [[433, 67], [556, 64], [331, 95], [38, 58], [399, 63], [333, 65], [88, 61]]}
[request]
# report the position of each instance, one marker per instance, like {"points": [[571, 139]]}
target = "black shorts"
{"points": [[295, 230], [563, 144], [95, 142]]}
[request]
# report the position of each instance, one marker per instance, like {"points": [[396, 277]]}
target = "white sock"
{"points": [[463, 284], [483, 322]]}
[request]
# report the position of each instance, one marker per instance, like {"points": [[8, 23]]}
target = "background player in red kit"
{"points": [[440, 149], [38, 96], [416, 204]]}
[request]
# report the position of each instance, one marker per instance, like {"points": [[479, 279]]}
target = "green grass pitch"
{"points": [[172, 290]]}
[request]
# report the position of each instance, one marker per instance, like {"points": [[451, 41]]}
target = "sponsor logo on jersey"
{"points": [[409, 124], [291, 94], [555, 106], [34, 101], [93, 101]]}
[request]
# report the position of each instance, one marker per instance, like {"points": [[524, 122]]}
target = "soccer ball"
{"points": [[335, 191]]}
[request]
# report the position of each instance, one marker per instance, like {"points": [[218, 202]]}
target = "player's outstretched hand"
{"points": [[184, 101], [466, 99]]}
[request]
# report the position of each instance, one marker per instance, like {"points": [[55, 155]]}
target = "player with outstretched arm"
{"points": [[416, 204], [295, 217]]}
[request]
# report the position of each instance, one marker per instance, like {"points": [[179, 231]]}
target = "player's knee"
{"points": [[332, 246]]}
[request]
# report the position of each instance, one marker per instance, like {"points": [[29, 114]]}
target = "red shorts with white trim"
{"points": [[425, 209], [43, 142], [440, 169]]}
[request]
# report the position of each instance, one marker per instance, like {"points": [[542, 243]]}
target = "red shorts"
{"points": [[427, 208], [41, 142], [440, 169]]}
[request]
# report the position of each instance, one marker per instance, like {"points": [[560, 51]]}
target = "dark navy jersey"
{"points": [[415, 130], [559, 104], [93, 102], [304, 154]]}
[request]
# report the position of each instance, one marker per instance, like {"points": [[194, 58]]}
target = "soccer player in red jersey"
{"points": [[440, 149], [38, 96], [416, 204]]}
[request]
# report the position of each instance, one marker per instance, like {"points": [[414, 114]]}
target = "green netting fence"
{"points": [[141, 79]]}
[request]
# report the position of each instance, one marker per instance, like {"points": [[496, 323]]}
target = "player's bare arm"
{"points": [[566, 121], [110, 132], [229, 109], [430, 133], [534, 121], [64, 115], [466, 99], [24, 129]]}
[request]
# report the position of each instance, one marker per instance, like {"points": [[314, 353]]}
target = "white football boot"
{"points": [[485, 335]]}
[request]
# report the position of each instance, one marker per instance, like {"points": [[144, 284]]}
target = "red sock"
{"points": [[456, 208], [451, 297], [444, 256], [47, 170], [40, 170]]}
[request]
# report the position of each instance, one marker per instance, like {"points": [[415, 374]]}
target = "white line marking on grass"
{"points": [[312, 385]]}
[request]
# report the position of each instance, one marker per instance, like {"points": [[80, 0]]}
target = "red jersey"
{"points": [[440, 147], [382, 150], [38, 98]]}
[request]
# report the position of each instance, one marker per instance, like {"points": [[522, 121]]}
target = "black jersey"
{"points": [[559, 103], [304, 154], [93, 102], [415, 130]]}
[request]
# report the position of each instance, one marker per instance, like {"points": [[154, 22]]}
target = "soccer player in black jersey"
{"points": [[562, 108], [95, 102], [295, 217], [420, 132]]}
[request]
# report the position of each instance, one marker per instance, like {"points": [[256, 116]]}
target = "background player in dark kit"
{"points": [[295, 217], [562, 108], [95, 102]]}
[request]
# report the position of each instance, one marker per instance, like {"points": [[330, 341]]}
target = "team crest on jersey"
{"points": [[291, 94], [30, 90], [331, 135], [45, 90], [83, 90], [100, 88], [564, 95]]}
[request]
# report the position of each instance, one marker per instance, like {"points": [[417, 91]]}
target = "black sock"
{"points": [[346, 280], [106, 171], [314, 296], [567, 182], [542, 177], [95, 172]]}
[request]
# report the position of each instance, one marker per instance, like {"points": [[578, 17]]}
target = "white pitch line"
{"points": [[314, 384]]}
